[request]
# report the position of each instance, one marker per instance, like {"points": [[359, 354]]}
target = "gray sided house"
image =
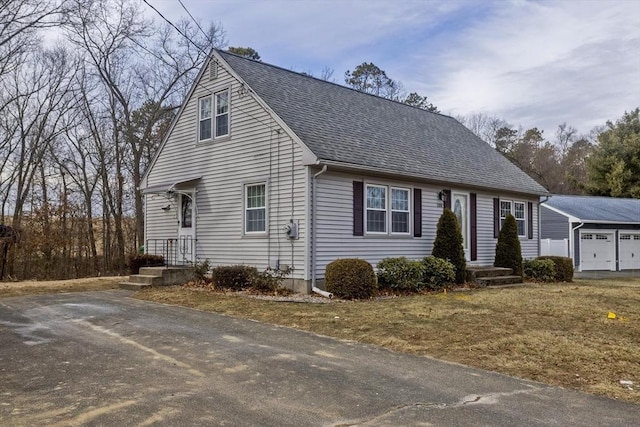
{"points": [[599, 233], [267, 167]]}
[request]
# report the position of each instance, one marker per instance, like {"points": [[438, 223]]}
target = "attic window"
{"points": [[213, 116]]}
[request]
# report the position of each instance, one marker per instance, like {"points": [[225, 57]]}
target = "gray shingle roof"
{"points": [[597, 209], [343, 125]]}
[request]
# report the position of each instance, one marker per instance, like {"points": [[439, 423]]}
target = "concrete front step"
{"points": [[498, 280], [146, 279], [158, 276], [478, 272], [133, 286]]}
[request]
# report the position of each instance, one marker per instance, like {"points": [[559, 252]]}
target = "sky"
{"points": [[532, 63]]}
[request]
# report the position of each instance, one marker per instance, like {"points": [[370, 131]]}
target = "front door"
{"points": [[459, 204], [186, 229]]}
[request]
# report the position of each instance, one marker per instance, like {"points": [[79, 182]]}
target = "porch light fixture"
{"points": [[442, 195]]}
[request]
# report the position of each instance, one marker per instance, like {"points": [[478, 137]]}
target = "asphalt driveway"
{"points": [[102, 358]]}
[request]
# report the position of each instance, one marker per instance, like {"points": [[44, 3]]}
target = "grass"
{"points": [[554, 333], [16, 289]]}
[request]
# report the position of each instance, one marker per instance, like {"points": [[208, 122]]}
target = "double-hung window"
{"points": [[255, 208], [518, 210], [399, 210], [204, 128], [387, 210], [213, 116], [222, 113], [376, 209]]}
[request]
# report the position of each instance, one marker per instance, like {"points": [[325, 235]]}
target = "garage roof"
{"points": [[596, 209]]}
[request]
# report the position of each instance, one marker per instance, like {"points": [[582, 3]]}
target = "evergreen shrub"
{"points": [[400, 274], [350, 278], [564, 267], [235, 277], [137, 261], [543, 270], [438, 273], [448, 244], [508, 251]]}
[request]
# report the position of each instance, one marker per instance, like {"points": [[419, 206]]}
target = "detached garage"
{"points": [[598, 233]]}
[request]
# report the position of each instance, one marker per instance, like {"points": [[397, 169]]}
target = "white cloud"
{"points": [[534, 63]]}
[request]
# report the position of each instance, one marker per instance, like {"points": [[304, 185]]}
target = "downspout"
{"points": [[314, 288], [572, 245], [540, 202]]}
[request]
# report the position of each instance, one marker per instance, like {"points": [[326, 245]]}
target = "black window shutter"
{"points": [[447, 199], [417, 212], [530, 219], [496, 217], [474, 226], [358, 211]]}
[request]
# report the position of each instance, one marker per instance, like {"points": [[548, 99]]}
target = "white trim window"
{"points": [[213, 125], [255, 208], [519, 212], [204, 118], [400, 210], [222, 113], [388, 210], [376, 209]]}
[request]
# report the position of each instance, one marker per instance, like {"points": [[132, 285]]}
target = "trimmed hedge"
{"points": [[540, 269], [438, 273], [137, 261], [235, 277], [401, 274], [564, 267], [350, 278]]}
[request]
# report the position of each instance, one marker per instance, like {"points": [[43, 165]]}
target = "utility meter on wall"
{"points": [[291, 230]]}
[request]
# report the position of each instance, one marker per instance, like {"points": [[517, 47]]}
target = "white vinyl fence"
{"points": [[554, 247]]}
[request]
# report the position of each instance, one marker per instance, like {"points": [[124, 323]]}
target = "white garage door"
{"points": [[629, 251], [597, 251]]}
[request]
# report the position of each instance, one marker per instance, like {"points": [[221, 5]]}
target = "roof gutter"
{"points": [[312, 239]]}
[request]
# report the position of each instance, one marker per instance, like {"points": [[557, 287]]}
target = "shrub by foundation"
{"points": [[508, 251], [350, 278], [438, 273], [543, 270], [235, 277], [400, 274], [564, 267], [448, 244]]}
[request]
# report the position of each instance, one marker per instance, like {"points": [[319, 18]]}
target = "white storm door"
{"points": [[186, 228], [597, 251], [629, 251], [460, 207]]}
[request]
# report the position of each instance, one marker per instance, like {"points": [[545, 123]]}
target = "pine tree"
{"points": [[508, 251], [448, 244]]}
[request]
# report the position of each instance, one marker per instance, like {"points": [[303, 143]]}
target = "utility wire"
{"points": [[176, 28], [192, 18]]}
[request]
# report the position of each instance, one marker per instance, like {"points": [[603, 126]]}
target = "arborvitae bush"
{"points": [[543, 270], [508, 251], [564, 267], [137, 261], [350, 278], [236, 277], [438, 273], [448, 244], [400, 274]]}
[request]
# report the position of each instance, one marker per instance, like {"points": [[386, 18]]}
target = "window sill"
{"points": [[260, 235]]}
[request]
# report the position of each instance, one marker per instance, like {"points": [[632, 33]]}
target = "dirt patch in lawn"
{"points": [[14, 289], [559, 334]]}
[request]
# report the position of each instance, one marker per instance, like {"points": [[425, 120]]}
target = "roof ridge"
{"points": [[303, 74]]}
